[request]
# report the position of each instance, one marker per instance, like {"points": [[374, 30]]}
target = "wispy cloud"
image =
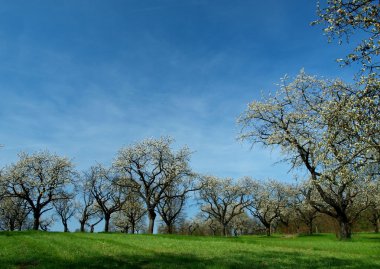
{"points": [[84, 79]]}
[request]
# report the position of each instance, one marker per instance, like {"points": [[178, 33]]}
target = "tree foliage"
{"points": [[302, 118], [150, 168], [345, 18], [14, 213], [110, 197], [39, 179], [268, 202], [86, 208], [65, 209], [130, 217], [223, 199]]}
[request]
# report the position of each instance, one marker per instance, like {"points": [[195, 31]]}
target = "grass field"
{"points": [[76, 250]]}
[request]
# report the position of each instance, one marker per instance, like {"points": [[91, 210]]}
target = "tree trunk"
{"points": [[236, 232], [82, 225], [20, 223], [267, 230], [375, 221], [345, 230], [11, 225], [310, 225], [376, 226], [133, 227], [170, 228], [224, 230], [152, 217], [36, 222], [65, 227], [311, 229], [107, 218]]}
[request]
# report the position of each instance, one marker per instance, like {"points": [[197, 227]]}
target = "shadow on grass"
{"points": [[241, 260], [311, 235], [371, 238], [17, 233]]}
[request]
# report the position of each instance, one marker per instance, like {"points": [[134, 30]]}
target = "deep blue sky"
{"points": [[84, 78]]}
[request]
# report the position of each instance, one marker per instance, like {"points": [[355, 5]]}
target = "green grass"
{"points": [[76, 250]]}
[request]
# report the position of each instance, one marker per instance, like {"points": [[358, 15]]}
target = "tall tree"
{"points": [[170, 210], [109, 196], [131, 214], [14, 212], [151, 167], [301, 119], [268, 199], [223, 199], [39, 179], [86, 204], [65, 209], [171, 206]]}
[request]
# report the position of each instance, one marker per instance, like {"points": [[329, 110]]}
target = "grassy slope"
{"points": [[75, 250]]}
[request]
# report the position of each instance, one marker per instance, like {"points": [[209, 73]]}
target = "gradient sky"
{"points": [[84, 78]]}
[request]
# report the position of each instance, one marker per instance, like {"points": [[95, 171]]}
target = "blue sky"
{"points": [[84, 78]]}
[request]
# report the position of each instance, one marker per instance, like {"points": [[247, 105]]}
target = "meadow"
{"points": [[84, 250]]}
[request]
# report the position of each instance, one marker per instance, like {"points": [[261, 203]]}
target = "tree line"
{"points": [[149, 178]]}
